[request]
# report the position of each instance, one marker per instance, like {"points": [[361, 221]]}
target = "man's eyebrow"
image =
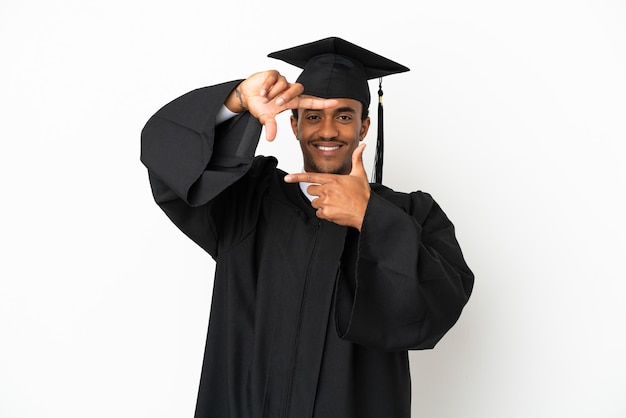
{"points": [[338, 110]]}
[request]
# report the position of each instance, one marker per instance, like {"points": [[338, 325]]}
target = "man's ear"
{"points": [[365, 126], [294, 125]]}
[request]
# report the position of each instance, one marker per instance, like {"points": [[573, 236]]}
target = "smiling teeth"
{"points": [[323, 148]]}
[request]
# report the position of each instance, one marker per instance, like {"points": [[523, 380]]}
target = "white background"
{"points": [[512, 116]]}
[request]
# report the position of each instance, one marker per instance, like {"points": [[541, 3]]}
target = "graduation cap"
{"points": [[335, 68]]}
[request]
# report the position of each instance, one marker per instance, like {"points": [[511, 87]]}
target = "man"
{"points": [[323, 281]]}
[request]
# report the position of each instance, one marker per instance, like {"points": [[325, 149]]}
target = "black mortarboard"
{"points": [[335, 68]]}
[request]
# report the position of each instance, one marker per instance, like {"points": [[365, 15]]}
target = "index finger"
{"points": [[310, 102], [317, 178]]}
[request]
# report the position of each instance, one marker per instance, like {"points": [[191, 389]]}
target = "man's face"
{"points": [[329, 136]]}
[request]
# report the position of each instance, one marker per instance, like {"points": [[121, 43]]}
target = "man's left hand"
{"points": [[341, 199]]}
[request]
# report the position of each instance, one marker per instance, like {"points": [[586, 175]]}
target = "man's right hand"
{"points": [[266, 94]]}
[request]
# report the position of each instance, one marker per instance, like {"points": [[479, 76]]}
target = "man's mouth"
{"points": [[327, 147]]}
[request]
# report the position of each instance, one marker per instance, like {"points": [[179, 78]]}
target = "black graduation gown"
{"points": [[308, 318]]}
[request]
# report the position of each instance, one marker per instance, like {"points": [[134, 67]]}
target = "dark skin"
{"points": [[330, 132]]}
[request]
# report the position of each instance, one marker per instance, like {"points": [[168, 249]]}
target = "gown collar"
{"points": [[304, 186]]}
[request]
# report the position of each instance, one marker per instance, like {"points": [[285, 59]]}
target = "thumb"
{"points": [[358, 169]]}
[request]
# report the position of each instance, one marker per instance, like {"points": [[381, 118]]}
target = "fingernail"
{"points": [[288, 178], [280, 101]]}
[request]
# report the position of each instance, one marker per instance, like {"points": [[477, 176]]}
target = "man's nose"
{"points": [[328, 129]]}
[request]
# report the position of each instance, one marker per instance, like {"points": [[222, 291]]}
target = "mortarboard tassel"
{"points": [[378, 158]]}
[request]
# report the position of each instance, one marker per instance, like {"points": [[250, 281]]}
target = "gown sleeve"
{"points": [[408, 281], [191, 160]]}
